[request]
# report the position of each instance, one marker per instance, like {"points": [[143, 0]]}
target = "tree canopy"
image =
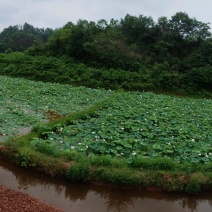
{"points": [[170, 53], [21, 37]]}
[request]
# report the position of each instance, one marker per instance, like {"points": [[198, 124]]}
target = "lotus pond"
{"points": [[133, 124], [140, 124], [25, 103]]}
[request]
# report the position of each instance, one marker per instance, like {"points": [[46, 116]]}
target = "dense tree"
{"points": [[178, 38], [20, 38], [170, 54], [138, 30], [189, 28]]}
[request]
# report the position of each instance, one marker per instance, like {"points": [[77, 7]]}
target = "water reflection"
{"points": [[190, 203], [117, 202], [84, 197], [76, 193]]}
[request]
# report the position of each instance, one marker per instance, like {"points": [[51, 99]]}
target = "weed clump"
{"points": [[193, 187], [78, 172]]}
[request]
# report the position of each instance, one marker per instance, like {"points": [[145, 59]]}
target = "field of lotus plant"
{"points": [[134, 124], [26, 103], [144, 125]]}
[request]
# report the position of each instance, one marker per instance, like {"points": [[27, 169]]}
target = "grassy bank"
{"points": [[159, 174]]}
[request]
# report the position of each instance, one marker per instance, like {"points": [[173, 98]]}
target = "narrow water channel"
{"points": [[75, 197]]}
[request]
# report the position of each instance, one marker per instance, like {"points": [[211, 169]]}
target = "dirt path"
{"points": [[13, 201]]}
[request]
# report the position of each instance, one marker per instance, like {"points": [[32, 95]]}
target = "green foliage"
{"points": [[197, 180], [193, 187], [24, 157], [121, 177], [133, 41], [134, 126], [20, 38], [134, 53], [51, 166], [196, 81], [47, 147], [78, 172], [170, 181], [199, 78], [71, 155], [22, 107], [189, 28], [154, 164], [138, 126], [107, 161]]}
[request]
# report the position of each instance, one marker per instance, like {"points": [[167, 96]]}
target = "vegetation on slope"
{"points": [[135, 53], [65, 71]]}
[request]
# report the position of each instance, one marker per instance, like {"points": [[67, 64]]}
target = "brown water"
{"points": [[75, 197]]}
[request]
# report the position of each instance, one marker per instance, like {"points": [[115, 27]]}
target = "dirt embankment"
{"points": [[11, 201]]}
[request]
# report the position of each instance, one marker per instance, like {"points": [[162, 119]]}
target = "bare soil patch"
{"points": [[11, 201]]}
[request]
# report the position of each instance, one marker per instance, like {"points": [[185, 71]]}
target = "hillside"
{"points": [[133, 53]]}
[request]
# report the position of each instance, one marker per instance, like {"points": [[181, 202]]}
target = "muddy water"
{"points": [[75, 197]]}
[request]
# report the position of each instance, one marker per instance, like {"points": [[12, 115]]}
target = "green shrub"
{"points": [[78, 172], [65, 71], [51, 166], [24, 157], [173, 182], [163, 164], [107, 161], [122, 177], [72, 155], [193, 187], [207, 167], [153, 164], [101, 161], [45, 147]]}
